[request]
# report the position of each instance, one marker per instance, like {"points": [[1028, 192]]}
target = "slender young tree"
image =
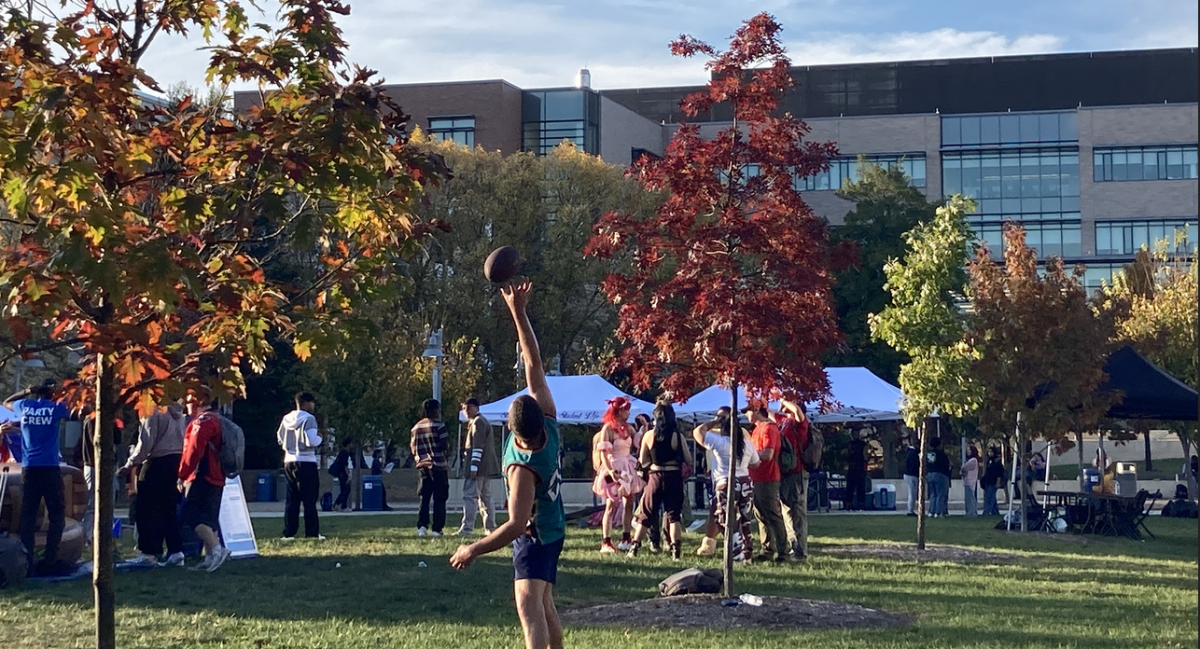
{"points": [[924, 322], [136, 229], [728, 282]]}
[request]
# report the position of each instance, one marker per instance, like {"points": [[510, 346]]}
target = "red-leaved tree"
{"points": [[729, 280]]}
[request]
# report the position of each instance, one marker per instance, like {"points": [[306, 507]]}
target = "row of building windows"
{"points": [[843, 170], [1127, 237], [1057, 238], [1014, 182], [550, 116], [457, 129], [1144, 163], [1011, 129]]}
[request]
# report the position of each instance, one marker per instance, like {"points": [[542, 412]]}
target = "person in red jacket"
{"points": [[793, 484], [201, 479]]}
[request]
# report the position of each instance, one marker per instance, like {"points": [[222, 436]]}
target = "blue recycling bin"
{"points": [[265, 492], [372, 493]]}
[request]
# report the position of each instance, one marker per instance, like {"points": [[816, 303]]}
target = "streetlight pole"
{"points": [[433, 349]]}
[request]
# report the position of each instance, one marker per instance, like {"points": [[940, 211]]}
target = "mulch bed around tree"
{"points": [[707, 612], [909, 552]]}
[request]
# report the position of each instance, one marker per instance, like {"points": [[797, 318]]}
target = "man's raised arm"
{"points": [[516, 295]]}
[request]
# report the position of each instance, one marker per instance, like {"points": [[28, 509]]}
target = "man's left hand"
{"points": [[463, 557]]}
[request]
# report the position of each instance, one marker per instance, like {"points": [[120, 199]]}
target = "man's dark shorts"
{"points": [[202, 504], [533, 560]]}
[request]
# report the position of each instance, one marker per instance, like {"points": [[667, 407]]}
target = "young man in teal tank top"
{"points": [[533, 474]]}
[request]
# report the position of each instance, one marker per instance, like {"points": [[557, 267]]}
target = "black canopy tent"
{"points": [[1149, 392]]}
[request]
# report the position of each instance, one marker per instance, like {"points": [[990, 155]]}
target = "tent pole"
{"points": [[1013, 482]]}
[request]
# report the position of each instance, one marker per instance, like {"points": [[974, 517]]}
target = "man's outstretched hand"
{"points": [[462, 557], [516, 294]]}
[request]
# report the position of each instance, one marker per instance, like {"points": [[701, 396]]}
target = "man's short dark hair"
{"points": [[305, 397], [526, 418], [471, 402], [431, 408], [43, 391]]}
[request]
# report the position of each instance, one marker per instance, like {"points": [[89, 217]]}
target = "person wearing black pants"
{"points": [[298, 437], [430, 445], [40, 483], [159, 451], [433, 484], [856, 473], [41, 479]]}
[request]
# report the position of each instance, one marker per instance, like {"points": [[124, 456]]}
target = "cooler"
{"points": [[885, 497], [372, 493]]}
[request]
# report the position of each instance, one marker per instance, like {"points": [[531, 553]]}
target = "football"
{"points": [[502, 265]]}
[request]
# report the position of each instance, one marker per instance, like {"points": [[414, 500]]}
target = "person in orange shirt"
{"points": [[201, 479], [765, 476]]}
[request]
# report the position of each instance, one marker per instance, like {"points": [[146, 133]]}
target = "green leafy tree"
{"points": [[886, 206], [136, 228], [1042, 347], [1153, 305], [546, 207], [924, 323]]}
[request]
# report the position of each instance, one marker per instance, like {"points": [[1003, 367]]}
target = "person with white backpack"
{"points": [[298, 437]]}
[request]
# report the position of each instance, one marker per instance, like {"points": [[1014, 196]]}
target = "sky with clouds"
{"points": [[624, 42]]}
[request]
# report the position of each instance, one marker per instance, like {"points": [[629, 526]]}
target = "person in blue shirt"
{"points": [[41, 479], [533, 475]]}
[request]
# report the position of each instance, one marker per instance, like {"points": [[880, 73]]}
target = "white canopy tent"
{"points": [[580, 400], [7, 415], [862, 396]]}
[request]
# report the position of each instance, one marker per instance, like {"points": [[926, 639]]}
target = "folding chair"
{"points": [[1142, 509]]}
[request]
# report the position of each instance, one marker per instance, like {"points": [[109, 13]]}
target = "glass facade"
{"points": [[1125, 238], [843, 170], [1144, 163], [457, 129], [1020, 167], [550, 116], [1009, 129]]}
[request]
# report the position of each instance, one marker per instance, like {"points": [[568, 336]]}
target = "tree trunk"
{"points": [[1149, 460], [731, 507], [102, 545], [921, 486]]}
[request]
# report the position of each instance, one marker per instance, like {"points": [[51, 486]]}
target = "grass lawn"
{"points": [[1107, 594]]}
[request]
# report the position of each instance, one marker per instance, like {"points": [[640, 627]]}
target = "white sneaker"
{"points": [[624, 546], [173, 560], [320, 537], [436, 535], [287, 538], [203, 565], [220, 555], [464, 532], [421, 531]]}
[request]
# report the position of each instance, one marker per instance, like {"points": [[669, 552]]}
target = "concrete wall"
{"points": [[622, 130]]}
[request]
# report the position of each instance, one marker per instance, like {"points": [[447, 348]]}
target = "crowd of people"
{"points": [[641, 471], [179, 465]]}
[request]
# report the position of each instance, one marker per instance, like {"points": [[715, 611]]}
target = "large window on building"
{"points": [[1144, 163], [1009, 129], [550, 116], [1057, 238], [1127, 237], [458, 129], [1040, 183], [842, 170]]}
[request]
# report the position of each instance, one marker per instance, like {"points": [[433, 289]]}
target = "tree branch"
{"points": [[24, 349]]}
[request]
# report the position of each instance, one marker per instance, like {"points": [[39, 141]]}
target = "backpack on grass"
{"points": [[692, 580]]}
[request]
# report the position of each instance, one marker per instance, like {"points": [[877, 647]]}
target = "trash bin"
{"points": [[1125, 483], [1091, 478], [372, 493], [265, 491]]}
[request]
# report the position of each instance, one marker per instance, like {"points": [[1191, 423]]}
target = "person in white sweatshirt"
{"points": [[298, 437]]}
